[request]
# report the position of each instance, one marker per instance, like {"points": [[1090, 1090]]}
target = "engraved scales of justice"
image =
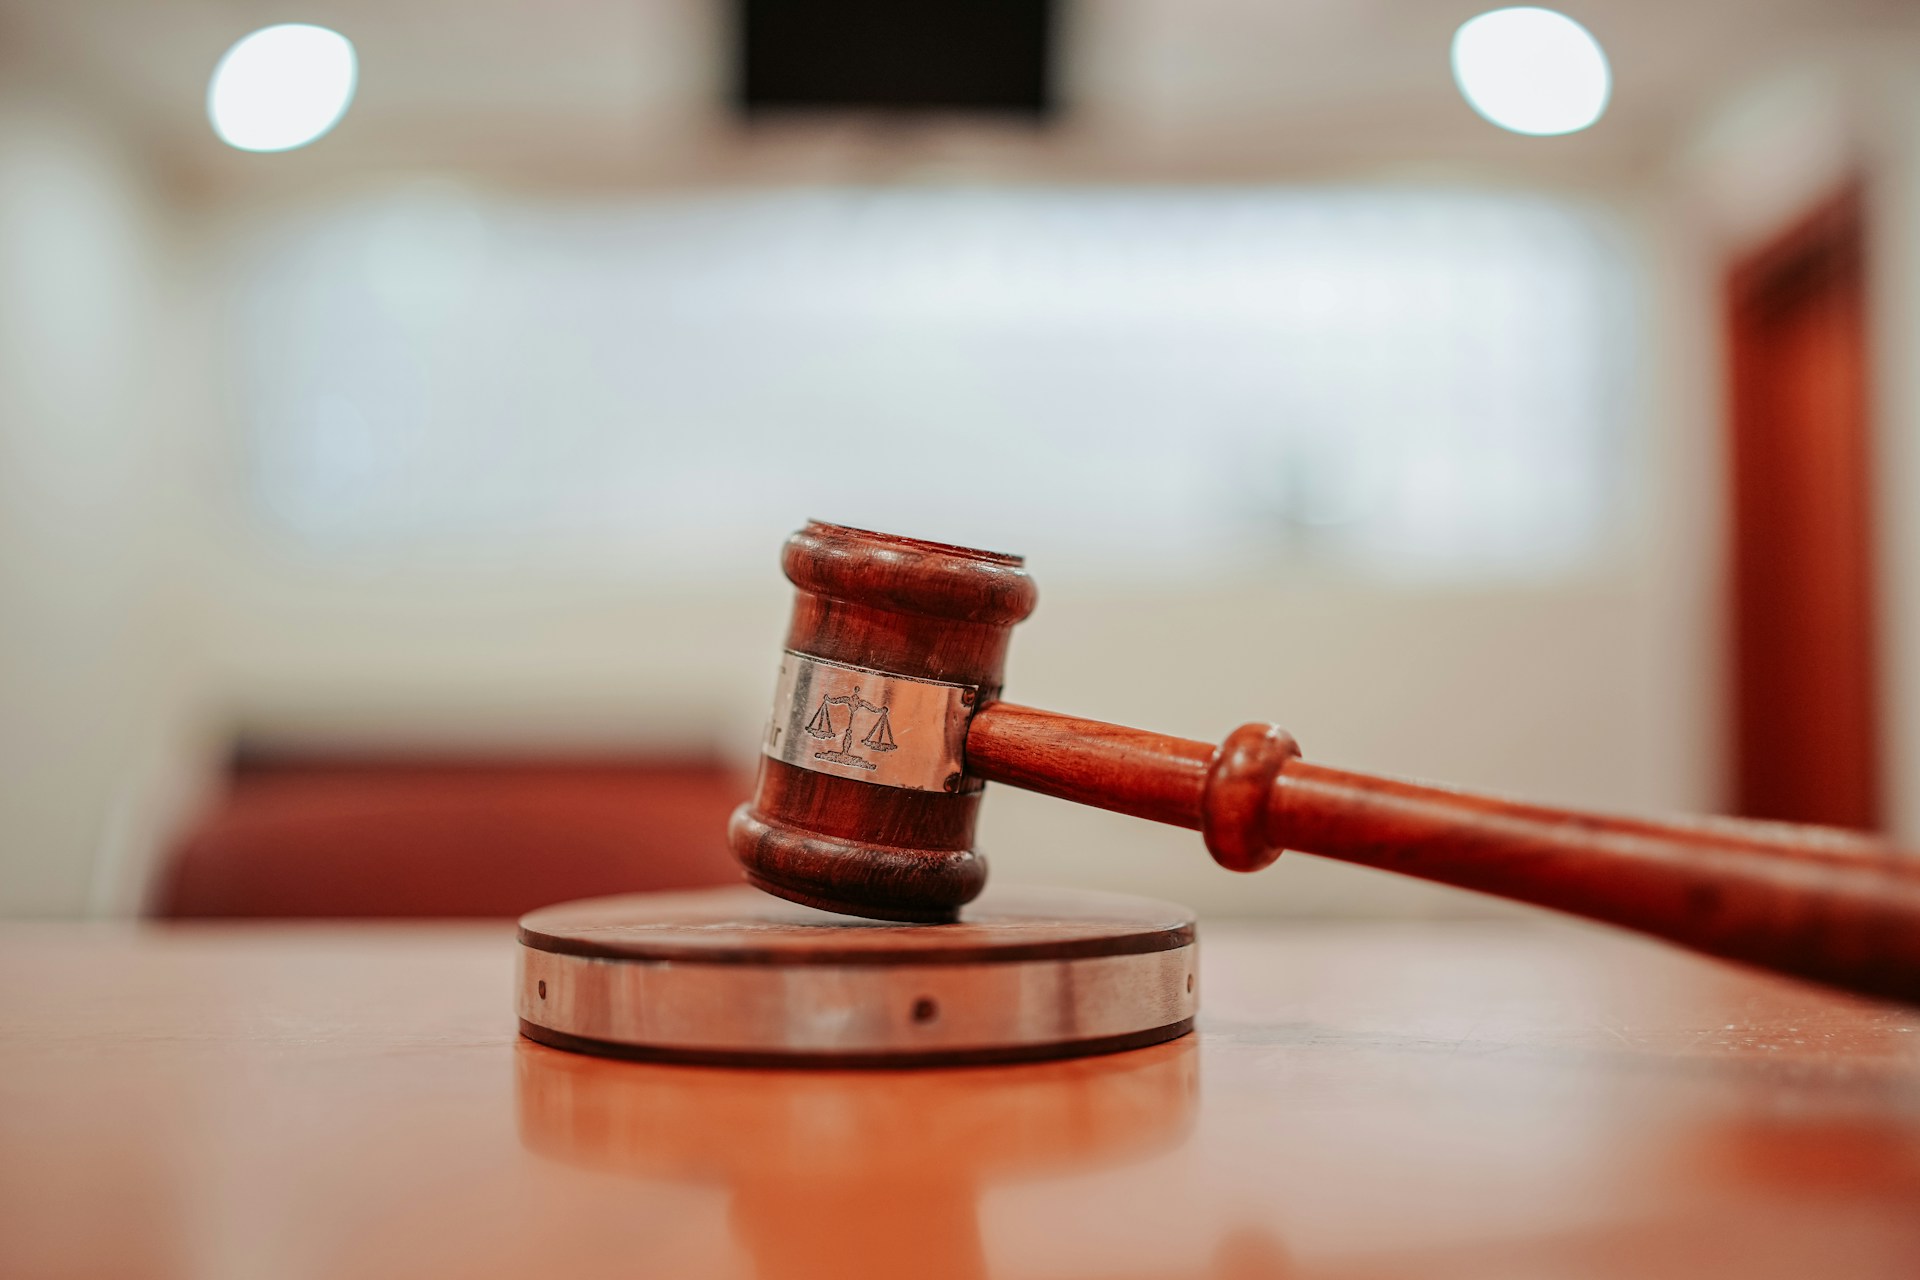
{"points": [[879, 737]]}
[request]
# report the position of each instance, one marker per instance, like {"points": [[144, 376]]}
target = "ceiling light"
{"points": [[281, 87], [1531, 70]]}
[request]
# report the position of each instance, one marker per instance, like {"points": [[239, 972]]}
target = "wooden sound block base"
{"points": [[735, 976]]}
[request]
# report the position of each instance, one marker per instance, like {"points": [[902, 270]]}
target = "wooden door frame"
{"points": [[1824, 249]]}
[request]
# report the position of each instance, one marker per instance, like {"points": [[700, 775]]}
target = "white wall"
{"points": [[1597, 690], [97, 638], [1594, 689], [144, 616], [1895, 246]]}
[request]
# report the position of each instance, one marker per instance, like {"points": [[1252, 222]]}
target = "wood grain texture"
{"points": [[742, 927], [910, 608], [1109, 766], [1821, 905], [1457, 1101]]}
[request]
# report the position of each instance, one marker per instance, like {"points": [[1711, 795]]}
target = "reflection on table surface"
{"points": [[1363, 1101], [857, 1173]]}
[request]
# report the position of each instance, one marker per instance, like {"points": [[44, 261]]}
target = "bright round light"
{"points": [[1531, 70], [281, 87]]}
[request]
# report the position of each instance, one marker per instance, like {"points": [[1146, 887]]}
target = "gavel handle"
{"points": [[1814, 902]]}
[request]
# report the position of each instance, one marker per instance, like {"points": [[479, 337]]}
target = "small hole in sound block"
{"points": [[543, 987], [1189, 984], [925, 1010]]}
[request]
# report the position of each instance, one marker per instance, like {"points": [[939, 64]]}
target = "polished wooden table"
{"points": [[1443, 1100]]}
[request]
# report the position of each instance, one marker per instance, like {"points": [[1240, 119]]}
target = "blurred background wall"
{"points": [[464, 438]]}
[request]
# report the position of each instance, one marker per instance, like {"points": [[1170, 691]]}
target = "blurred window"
{"points": [[1136, 382]]}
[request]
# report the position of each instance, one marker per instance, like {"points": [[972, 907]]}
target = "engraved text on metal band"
{"points": [[854, 723]]}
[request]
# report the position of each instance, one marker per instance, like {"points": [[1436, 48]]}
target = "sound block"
{"points": [[736, 976]]}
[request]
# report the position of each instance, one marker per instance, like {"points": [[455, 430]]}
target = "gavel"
{"points": [[887, 724]]}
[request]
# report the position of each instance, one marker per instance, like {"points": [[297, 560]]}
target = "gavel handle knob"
{"points": [[1818, 903]]}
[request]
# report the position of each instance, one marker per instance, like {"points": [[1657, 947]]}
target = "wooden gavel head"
{"points": [[862, 804]]}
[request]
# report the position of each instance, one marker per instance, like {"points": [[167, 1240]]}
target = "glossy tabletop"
{"points": [[1443, 1100]]}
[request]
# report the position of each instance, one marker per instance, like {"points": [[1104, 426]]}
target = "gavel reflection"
{"points": [[848, 1174], [887, 722]]}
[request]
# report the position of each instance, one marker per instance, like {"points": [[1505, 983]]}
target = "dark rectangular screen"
{"points": [[901, 55]]}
